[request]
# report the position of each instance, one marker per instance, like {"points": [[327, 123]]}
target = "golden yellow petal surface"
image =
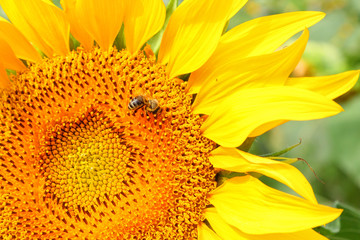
{"points": [[76, 28], [226, 231], [193, 33], [255, 208], [205, 233], [101, 19], [231, 123], [234, 160], [41, 22], [4, 79], [331, 86], [18, 43], [8, 58], [75, 162], [142, 20]]}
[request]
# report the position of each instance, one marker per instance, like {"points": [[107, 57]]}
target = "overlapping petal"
{"points": [[19, 44], [228, 232], [331, 86], [76, 28], [192, 34], [240, 114], [259, 71], [4, 79], [235, 160], [237, 5], [12, 11], [256, 37], [143, 19], [8, 58], [41, 22], [254, 208], [205, 233], [265, 34], [101, 19]]}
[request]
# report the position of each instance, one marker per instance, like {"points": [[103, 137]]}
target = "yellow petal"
{"points": [[41, 22], [192, 34], [259, 36], [222, 228], [4, 79], [265, 34], [20, 45], [254, 208], [8, 58], [13, 12], [235, 160], [237, 5], [331, 86], [241, 113], [230, 76], [265, 127], [101, 19], [205, 233], [228, 232], [143, 19], [76, 28]]}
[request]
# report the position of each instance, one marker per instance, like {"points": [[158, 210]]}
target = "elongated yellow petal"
{"points": [[205, 233], [235, 160], [142, 20], [41, 22], [239, 114], [76, 28], [331, 86], [222, 228], [20, 45], [192, 34], [231, 76], [250, 39], [4, 79], [8, 58], [254, 208], [228, 232], [265, 127], [101, 19], [14, 13], [237, 5]]}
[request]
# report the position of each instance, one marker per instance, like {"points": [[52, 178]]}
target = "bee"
{"points": [[151, 105]]}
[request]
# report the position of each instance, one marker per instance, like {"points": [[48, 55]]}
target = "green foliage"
{"points": [[57, 3], [119, 42], [346, 227], [283, 151], [73, 43]]}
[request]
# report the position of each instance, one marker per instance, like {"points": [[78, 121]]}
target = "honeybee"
{"points": [[151, 105]]}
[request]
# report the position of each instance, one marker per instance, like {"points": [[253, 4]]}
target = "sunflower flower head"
{"points": [[107, 143]]}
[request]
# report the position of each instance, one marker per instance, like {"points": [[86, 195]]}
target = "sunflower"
{"points": [[100, 141]]}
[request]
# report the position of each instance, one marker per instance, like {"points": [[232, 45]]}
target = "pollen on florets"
{"points": [[76, 162]]}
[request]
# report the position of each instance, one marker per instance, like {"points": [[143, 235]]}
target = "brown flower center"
{"points": [[76, 162]]}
